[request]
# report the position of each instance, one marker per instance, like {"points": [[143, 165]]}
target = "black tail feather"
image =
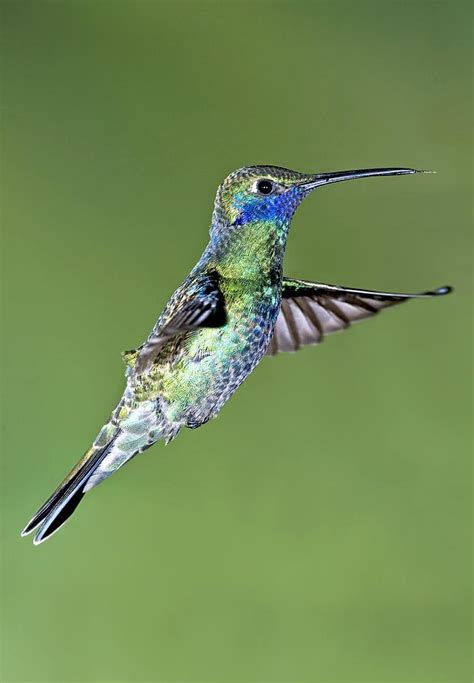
{"points": [[60, 517], [62, 503]]}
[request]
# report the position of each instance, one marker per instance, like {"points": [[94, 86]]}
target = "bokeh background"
{"points": [[319, 530]]}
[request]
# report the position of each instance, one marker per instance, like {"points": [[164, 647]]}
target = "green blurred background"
{"points": [[319, 530]]}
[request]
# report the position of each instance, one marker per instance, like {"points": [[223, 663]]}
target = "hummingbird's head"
{"points": [[270, 194], [259, 193]]}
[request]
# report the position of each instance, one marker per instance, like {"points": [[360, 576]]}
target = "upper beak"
{"points": [[326, 178]]}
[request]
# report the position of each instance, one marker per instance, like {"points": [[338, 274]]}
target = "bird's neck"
{"points": [[254, 250]]}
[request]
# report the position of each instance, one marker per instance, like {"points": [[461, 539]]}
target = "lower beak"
{"points": [[326, 178]]}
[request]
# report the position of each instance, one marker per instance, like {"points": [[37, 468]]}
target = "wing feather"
{"points": [[199, 303], [311, 310]]}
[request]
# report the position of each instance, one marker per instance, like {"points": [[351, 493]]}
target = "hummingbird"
{"points": [[232, 310]]}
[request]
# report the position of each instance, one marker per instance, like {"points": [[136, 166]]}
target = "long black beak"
{"points": [[326, 178]]}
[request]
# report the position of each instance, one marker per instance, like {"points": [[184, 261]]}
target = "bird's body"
{"points": [[197, 372], [233, 308]]}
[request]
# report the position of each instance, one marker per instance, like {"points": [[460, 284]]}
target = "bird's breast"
{"points": [[212, 362]]}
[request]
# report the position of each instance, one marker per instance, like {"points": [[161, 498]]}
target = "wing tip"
{"points": [[441, 291]]}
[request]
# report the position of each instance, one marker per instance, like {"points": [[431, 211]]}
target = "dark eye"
{"points": [[265, 186]]}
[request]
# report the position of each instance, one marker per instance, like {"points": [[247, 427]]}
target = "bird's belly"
{"points": [[211, 366]]}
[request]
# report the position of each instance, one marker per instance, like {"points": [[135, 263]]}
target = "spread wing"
{"points": [[195, 305], [310, 310]]}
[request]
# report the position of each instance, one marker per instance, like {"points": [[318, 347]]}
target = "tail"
{"points": [[129, 432], [62, 503]]}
